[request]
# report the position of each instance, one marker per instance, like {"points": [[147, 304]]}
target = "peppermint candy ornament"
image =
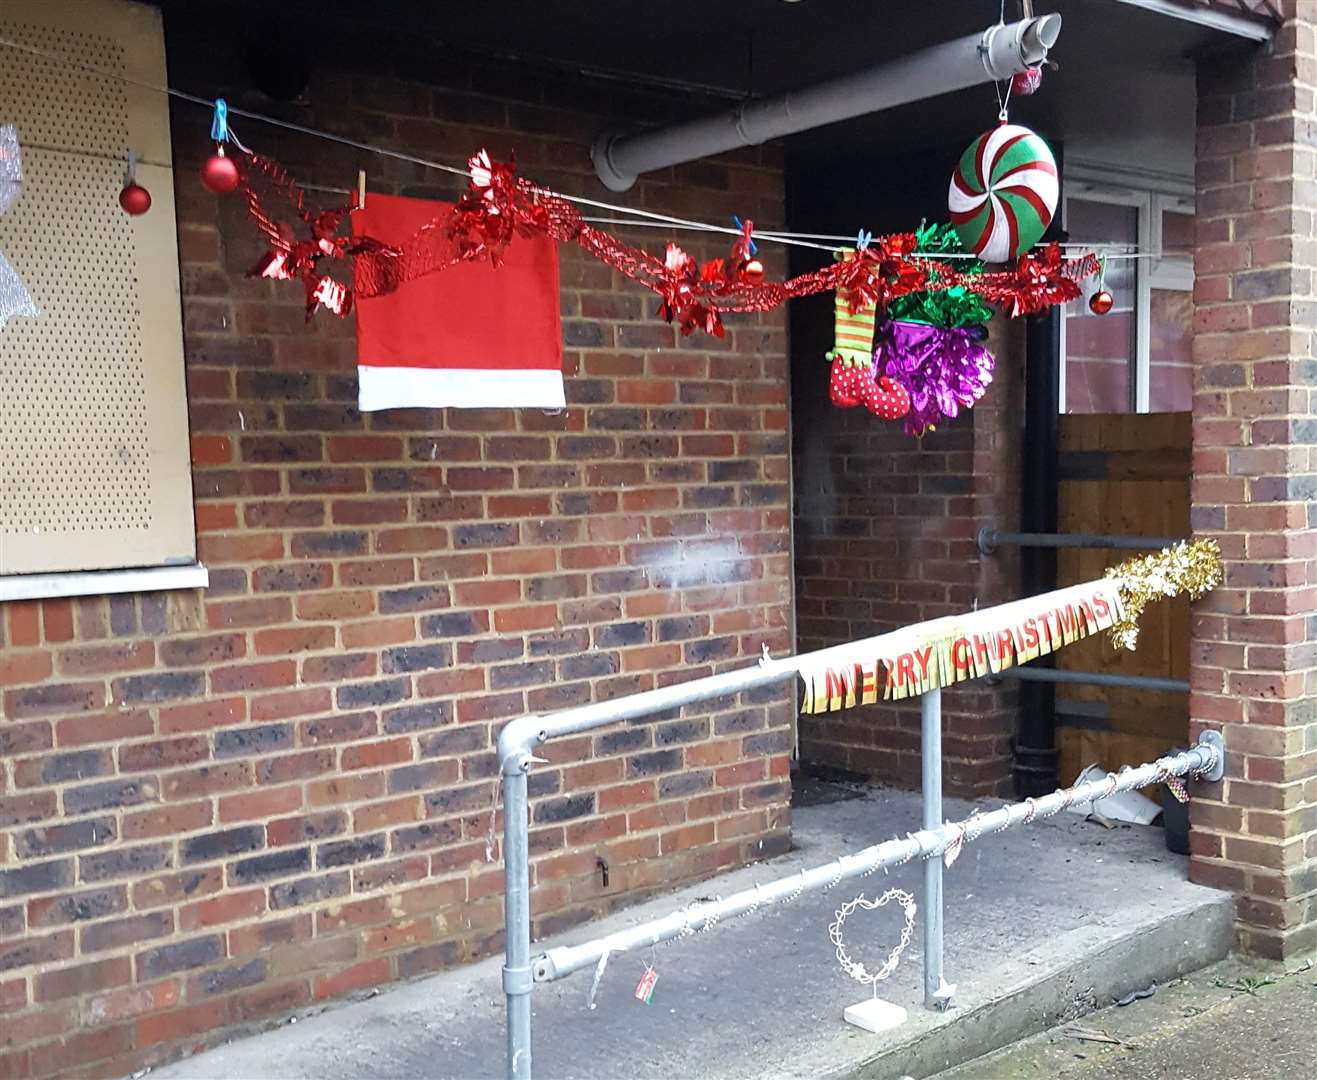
{"points": [[1003, 193]]}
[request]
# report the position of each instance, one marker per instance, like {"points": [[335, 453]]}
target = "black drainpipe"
{"points": [[1035, 746]]}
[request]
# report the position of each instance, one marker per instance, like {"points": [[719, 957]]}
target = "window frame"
{"points": [[1156, 270]]}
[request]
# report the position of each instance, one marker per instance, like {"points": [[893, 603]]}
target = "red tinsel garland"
{"points": [[500, 206]]}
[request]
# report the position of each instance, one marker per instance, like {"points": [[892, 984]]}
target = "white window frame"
{"points": [[1155, 271]]}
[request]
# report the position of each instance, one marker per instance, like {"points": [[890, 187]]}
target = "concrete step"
{"points": [[1044, 923], [1242, 1018]]}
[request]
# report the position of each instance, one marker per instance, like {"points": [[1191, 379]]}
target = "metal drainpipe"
{"points": [[1036, 755], [997, 53]]}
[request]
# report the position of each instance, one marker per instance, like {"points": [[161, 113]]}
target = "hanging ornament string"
{"points": [[656, 219], [854, 968], [1003, 100], [500, 206]]}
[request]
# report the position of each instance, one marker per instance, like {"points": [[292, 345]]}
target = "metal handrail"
{"points": [[989, 538], [1096, 678]]}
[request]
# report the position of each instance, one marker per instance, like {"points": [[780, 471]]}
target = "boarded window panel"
{"points": [[93, 417]]}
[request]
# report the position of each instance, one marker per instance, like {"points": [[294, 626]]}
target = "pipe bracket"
{"points": [[517, 981], [516, 743], [1213, 738]]}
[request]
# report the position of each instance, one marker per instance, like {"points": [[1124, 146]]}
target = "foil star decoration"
{"points": [[14, 297], [291, 259]]}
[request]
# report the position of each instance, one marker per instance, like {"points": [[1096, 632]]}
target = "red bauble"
{"points": [[1101, 302], [134, 198], [754, 271], [219, 174]]}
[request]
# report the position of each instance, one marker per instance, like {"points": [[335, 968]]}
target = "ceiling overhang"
{"points": [[1250, 22]]}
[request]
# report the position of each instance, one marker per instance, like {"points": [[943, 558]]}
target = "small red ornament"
{"points": [[1026, 82], [754, 271], [219, 174], [134, 199], [1101, 302]]}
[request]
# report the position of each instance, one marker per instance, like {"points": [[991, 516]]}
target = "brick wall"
{"points": [[885, 537], [1254, 655], [219, 806]]}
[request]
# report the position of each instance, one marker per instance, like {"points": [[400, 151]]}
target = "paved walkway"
{"points": [[1231, 1021], [1047, 920]]}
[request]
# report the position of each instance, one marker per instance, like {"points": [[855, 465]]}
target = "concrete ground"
{"points": [[1044, 923], [1234, 1020]]}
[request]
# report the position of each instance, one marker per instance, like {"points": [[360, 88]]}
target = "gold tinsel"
{"points": [[1188, 567]]}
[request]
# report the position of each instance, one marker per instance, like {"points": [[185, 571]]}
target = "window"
{"points": [[94, 472], [1136, 358]]}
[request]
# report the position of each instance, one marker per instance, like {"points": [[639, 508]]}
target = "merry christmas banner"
{"points": [[956, 648], [476, 336]]}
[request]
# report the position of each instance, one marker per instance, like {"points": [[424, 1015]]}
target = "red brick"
{"points": [[82, 979], [294, 640], [280, 706], [221, 909], [241, 548], [260, 804], [16, 669], [210, 450], [373, 755], [203, 715], [104, 659], [266, 611], [166, 821], [166, 1027], [530, 617], [378, 632], [24, 622], [57, 620], [130, 1001], [59, 1058]]}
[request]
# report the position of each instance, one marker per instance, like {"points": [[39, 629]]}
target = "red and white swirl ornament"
{"points": [[1003, 193]]}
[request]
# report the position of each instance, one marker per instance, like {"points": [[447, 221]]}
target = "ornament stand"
{"points": [[875, 1014]]}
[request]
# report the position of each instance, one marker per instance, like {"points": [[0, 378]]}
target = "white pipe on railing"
{"points": [[997, 53]]}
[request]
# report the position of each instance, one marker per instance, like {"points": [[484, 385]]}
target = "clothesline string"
{"points": [[382, 151], [649, 218]]}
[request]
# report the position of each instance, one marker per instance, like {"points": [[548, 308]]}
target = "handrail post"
{"points": [[931, 751], [515, 760]]}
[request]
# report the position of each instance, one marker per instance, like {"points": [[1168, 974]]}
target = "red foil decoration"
{"points": [[499, 206]]}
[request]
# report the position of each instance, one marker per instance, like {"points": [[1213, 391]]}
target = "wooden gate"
{"points": [[1125, 474]]}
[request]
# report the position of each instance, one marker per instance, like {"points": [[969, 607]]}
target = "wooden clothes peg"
{"points": [[361, 189]]}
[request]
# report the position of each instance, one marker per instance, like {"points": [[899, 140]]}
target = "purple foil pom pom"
{"points": [[942, 370]]}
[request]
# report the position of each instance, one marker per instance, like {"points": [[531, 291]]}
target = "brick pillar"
{"points": [[1254, 653]]}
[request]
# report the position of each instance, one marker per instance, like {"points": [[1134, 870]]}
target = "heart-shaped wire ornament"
{"points": [[854, 968]]}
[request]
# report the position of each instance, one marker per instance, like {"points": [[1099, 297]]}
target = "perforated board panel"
{"points": [[93, 414]]}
